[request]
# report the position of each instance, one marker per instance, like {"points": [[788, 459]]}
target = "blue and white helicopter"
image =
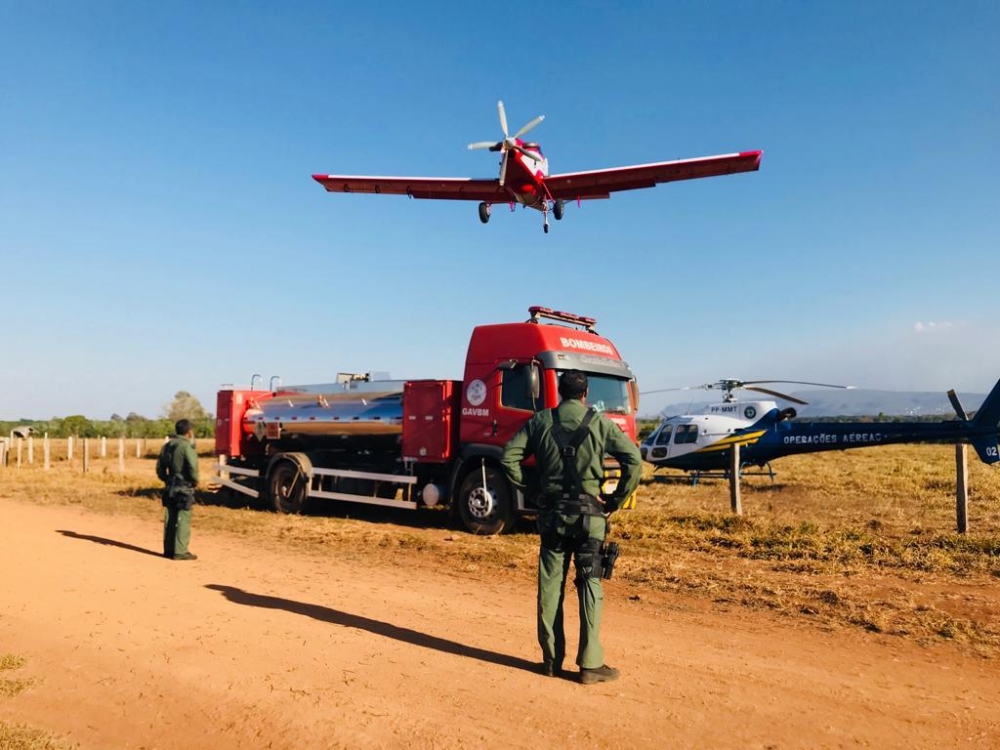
{"points": [[703, 442]]}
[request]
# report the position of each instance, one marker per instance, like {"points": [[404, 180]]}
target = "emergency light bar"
{"points": [[565, 317]]}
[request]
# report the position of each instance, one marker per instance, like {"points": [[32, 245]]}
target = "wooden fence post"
{"points": [[104, 447], [86, 456], [17, 442], [962, 487], [69, 448], [121, 455], [46, 450], [31, 450], [734, 481], [3, 452]]}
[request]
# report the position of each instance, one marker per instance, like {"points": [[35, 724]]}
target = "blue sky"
{"points": [[159, 229]]}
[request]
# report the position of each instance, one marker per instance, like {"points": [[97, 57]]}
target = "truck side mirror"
{"points": [[533, 382]]}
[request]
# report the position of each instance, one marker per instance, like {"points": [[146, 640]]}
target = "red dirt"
{"points": [[240, 649]]}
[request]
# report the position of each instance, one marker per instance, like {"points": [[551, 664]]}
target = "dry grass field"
{"points": [[864, 538]]}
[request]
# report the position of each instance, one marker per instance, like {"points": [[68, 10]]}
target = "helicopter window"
{"points": [[686, 433], [664, 437], [514, 393]]}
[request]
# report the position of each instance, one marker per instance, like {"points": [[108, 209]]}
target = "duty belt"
{"points": [[577, 504]]}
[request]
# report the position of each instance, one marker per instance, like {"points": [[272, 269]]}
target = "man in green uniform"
{"points": [[177, 467], [572, 517]]}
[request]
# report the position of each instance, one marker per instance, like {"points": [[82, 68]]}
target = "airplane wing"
{"points": [[443, 188], [599, 183]]}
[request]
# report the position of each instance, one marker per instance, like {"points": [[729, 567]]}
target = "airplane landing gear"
{"points": [[484, 213], [557, 209], [545, 215]]}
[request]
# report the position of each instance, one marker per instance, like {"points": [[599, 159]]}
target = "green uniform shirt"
{"points": [[178, 459], [605, 437]]}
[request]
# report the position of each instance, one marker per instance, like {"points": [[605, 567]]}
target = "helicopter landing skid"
{"points": [[746, 470]]}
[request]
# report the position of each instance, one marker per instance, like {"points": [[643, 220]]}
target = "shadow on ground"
{"points": [[384, 629], [421, 518], [108, 542]]}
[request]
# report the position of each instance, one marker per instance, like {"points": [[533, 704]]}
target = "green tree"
{"points": [[78, 425], [185, 406], [136, 425]]}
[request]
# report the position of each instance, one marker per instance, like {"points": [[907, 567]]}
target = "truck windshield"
{"points": [[608, 394]]}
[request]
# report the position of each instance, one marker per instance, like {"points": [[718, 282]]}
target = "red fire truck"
{"points": [[402, 443]]}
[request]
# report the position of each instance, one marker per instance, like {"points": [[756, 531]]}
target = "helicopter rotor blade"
{"points": [[503, 167], [783, 396], [798, 382], [728, 385], [664, 390]]}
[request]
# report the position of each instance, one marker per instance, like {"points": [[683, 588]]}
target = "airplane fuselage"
{"points": [[524, 178]]}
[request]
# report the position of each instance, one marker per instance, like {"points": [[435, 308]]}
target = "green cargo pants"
{"points": [[176, 530], [563, 537]]}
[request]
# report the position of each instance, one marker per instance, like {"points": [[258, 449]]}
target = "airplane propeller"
{"points": [[509, 142]]}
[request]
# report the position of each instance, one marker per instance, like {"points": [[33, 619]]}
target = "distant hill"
{"points": [[854, 403]]}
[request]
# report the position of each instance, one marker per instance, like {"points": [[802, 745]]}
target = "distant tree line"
{"points": [[184, 406]]}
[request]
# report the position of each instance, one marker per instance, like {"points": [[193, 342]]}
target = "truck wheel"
{"points": [[287, 487], [488, 510]]}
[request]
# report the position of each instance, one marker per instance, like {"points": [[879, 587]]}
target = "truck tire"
{"points": [[486, 511], [287, 487]]}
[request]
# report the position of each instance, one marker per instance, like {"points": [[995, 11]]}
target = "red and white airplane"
{"points": [[525, 179]]}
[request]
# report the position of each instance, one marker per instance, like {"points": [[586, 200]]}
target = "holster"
{"points": [[609, 553], [178, 494]]}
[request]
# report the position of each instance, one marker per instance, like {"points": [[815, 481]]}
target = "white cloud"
{"points": [[932, 327]]}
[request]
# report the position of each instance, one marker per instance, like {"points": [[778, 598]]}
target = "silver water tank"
{"points": [[334, 410]]}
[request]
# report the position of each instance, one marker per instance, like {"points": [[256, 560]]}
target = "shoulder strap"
{"points": [[574, 439], [168, 456], [568, 444]]}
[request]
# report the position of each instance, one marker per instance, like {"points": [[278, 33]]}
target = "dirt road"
{"points": [[244, 649]]}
